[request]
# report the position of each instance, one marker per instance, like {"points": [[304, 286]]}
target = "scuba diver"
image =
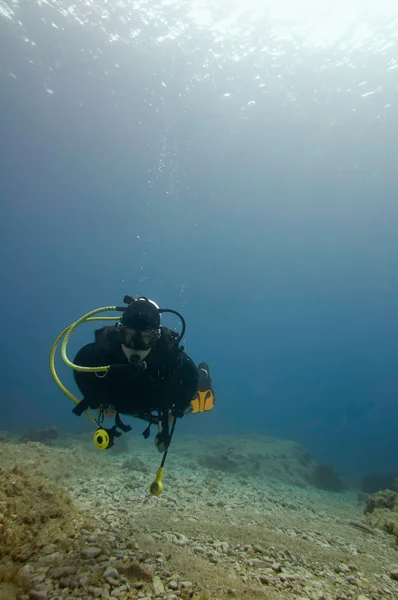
{"points": [[148, 373]]}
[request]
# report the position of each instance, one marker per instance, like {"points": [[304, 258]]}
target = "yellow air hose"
{"points": [[67, 332]]}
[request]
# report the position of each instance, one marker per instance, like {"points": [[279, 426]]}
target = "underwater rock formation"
{"points": [[253, 457], [381, 511], [324, 477], [34, 514], [371, 483], [40, 434]]}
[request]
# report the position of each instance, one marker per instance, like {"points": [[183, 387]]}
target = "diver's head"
{"points": [[141, 322]]}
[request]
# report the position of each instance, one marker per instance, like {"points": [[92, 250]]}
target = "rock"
{"points": [[43, 595], [26, 573], [324, 477], [59, 572], [49, 549], [287, 577], [157, 586], [394, 574], [181, 539], [257, 562], [342, 569], [65, 582], [40, 434], [135, 571], [96, 592], [173, 585], [111, 572], [83, 581], [91, 552], [276, 567], [55, 556], [138, 585]]}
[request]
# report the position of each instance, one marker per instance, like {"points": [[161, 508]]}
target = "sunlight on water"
{"points": [[247, 55], [236, 27], [6, 11], [275, 36]]}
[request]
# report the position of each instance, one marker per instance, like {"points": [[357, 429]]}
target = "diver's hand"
{"points": [[181, 412], [137, 366]]}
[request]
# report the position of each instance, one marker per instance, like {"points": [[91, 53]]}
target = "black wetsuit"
{"points": [[169, 381]]}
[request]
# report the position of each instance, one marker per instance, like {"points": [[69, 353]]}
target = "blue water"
{"points": [[235, 164]]}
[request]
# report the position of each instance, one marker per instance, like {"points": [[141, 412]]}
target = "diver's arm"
{"points": [[90, 384], [184, 384]]}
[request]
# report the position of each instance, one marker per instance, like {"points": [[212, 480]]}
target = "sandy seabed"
{"points": [[236, 520]]}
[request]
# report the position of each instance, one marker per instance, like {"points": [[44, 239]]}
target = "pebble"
{"points": [[287, 577], [111, 572], [342, 569], [62, 572], [257, 562], [66, 582], [394, 574], [91, 552], [181, 540], [83, 580], [173, 585], [38, 595], [96, 592], [55, 556], [157, 586]]}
